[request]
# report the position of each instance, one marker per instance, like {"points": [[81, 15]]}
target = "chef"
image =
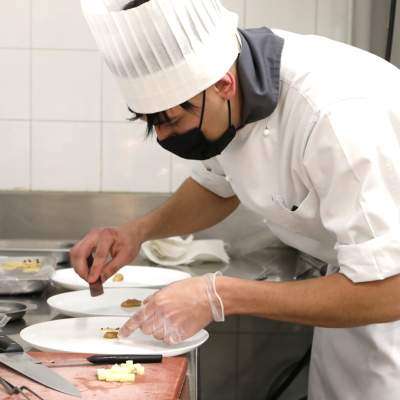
{"points": [[302, 130]]}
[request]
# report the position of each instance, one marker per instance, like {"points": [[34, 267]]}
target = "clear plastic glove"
{"points": [[178, 311]]}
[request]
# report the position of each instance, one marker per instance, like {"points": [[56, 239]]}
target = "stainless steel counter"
{"points": [[44, 313], [275, 264], [236, 347]]}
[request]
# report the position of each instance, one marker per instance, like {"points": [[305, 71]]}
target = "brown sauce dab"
{"points": [[110, 333], [130, 303]]}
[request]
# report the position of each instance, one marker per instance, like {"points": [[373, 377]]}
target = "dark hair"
{"points": [[158, 118]]}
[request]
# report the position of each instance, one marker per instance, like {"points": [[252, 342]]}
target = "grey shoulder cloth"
{"points": [[259, 66]]}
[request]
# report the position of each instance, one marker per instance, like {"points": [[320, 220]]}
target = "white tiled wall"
{"points": [[66, 85], [15, 79], [15, 24], [62, 120], [57, 24], [65, 156], [15, 157], [133, 162]]}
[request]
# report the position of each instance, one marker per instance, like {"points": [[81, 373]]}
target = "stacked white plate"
{"points": [[83, 334], [134, 276], [81, 304]]}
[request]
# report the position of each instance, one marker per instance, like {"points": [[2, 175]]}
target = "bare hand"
{"points": [[112, 247]]}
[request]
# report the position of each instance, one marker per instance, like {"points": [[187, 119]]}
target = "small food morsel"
{"points": [[120, 372], [110, 333], [118, 278], [130, 303]]}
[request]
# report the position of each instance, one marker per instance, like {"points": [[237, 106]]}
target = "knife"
{"points": [[96, 288], [12, 355], [98, 359]]}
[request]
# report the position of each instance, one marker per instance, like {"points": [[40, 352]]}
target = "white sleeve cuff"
{"points": [[376, 259], [211, 180]]}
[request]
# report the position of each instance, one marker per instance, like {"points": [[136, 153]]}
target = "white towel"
{"points": [[177, 251]]}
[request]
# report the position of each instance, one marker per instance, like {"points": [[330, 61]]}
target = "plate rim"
{"points": [[78, 314], [83, 286], [170, 353]]}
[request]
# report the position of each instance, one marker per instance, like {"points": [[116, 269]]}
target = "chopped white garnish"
{"points": [[138, 369], [120, 372]]}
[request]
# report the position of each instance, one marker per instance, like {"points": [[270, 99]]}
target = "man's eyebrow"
{"points": [[171, 121]]}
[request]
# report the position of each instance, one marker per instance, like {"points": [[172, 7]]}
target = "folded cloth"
{"points": [[177, 251]]}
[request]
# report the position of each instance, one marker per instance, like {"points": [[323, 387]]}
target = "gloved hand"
{"points": [[178, 311]]}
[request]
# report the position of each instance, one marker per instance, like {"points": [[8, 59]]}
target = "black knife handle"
{"points": [[136, 358], [8, 345]]}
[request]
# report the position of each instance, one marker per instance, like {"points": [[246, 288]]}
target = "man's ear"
{"points": [[226, 87]]}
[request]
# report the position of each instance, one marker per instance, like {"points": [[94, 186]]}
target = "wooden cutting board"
{"points": [[163, 381]]}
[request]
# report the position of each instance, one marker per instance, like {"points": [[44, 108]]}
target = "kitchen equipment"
{"points": [[161, 381], [33, 248], [12, 389], [133, 276], [14, 310], [13, 356], [81, 304], [85, 335], [24, 287], [16, 279], [96, 288], [99, 359], [4, 320]]}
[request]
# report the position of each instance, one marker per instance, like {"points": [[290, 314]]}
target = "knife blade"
{"points": [[12, 355], [96, 288], [99, 359]]}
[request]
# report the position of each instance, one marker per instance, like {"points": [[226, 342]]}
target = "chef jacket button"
{"points": [[267, 132], [265, 221], [228, 178]]}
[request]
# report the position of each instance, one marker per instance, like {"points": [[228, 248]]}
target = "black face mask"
{"points": [[193, 145]]}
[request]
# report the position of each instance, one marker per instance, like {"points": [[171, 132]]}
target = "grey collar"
{"points": [[259, 65]]}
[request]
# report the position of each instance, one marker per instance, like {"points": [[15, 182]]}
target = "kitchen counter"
{"points": [[275, 264], [243, 355], [43, 312]]}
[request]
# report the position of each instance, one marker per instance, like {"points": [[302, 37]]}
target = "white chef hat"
{"points": [[164, 52]]}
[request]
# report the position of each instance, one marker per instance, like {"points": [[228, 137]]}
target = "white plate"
{"points": [[134, 276], [81, 304], [84, 335]]}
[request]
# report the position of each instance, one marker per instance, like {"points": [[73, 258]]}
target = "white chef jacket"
{"points": [[331, 148]]}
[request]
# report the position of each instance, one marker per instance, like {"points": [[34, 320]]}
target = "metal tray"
{"points": [[15, 282], [25, 287], [13, 309], [59, 249]]}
